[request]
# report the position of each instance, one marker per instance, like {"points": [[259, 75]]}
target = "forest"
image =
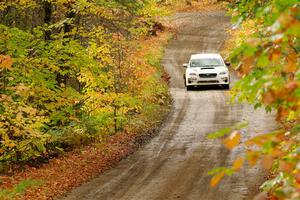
{"points": [[77, 72], [72, 72]]}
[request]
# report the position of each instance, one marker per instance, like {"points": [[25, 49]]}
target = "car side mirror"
{"points": [[185, 65], [228, 64]]}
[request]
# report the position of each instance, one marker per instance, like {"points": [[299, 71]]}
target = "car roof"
{"points": [[206, 55]]}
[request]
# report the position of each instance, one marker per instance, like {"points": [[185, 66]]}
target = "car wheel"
{"points": [[188, 88], [226, 87]]}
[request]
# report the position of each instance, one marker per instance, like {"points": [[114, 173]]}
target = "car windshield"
{"points": [[206, 62]]}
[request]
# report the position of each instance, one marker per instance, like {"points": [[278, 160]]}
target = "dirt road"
{"points": [[174, 165]]}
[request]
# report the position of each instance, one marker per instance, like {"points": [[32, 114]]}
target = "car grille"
{"points": [[208, 81], [212, 75]]}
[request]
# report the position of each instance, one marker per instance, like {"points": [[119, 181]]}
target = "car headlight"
{"points": [[223, 73], [192, 74]]}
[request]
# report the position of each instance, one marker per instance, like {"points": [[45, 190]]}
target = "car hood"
{"points": [[205, 70]]}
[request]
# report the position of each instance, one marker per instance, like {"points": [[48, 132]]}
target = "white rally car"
{"points": [[206, 69]]}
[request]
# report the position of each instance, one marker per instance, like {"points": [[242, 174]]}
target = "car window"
{"points": [[203, 62]]}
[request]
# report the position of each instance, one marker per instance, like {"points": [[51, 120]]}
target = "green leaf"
{"points": [[226, 131]]}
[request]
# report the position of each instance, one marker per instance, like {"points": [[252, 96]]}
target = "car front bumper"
{"points": [[219, 80]]}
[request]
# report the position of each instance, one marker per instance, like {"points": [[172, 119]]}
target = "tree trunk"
{"points": [[47, 18], [188, 2]]}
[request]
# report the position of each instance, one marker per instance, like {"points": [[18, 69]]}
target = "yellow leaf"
{"points": [[19, 116], [291, 65], [4, 97], [268, 98], [277, 153], [237, 164], [233, 140], [247, 64], [216, 179], [286, 166], [74, 118], [252, 157], [292, 86], [282, 113], [8, 143], [267, 161], [297, 177], [253, 42], [5, 62], [275, 55]]}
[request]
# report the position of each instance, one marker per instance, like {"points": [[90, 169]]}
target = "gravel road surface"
{"points": [[174, 164]]}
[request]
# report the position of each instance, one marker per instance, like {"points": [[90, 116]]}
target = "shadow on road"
{"points": [[208, 87]]}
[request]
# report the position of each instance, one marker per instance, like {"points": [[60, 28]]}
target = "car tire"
{"points": [[226, 86], [188, 88]]}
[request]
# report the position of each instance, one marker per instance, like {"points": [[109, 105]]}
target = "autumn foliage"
{"points": [[266, 56], [75, 72]]}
